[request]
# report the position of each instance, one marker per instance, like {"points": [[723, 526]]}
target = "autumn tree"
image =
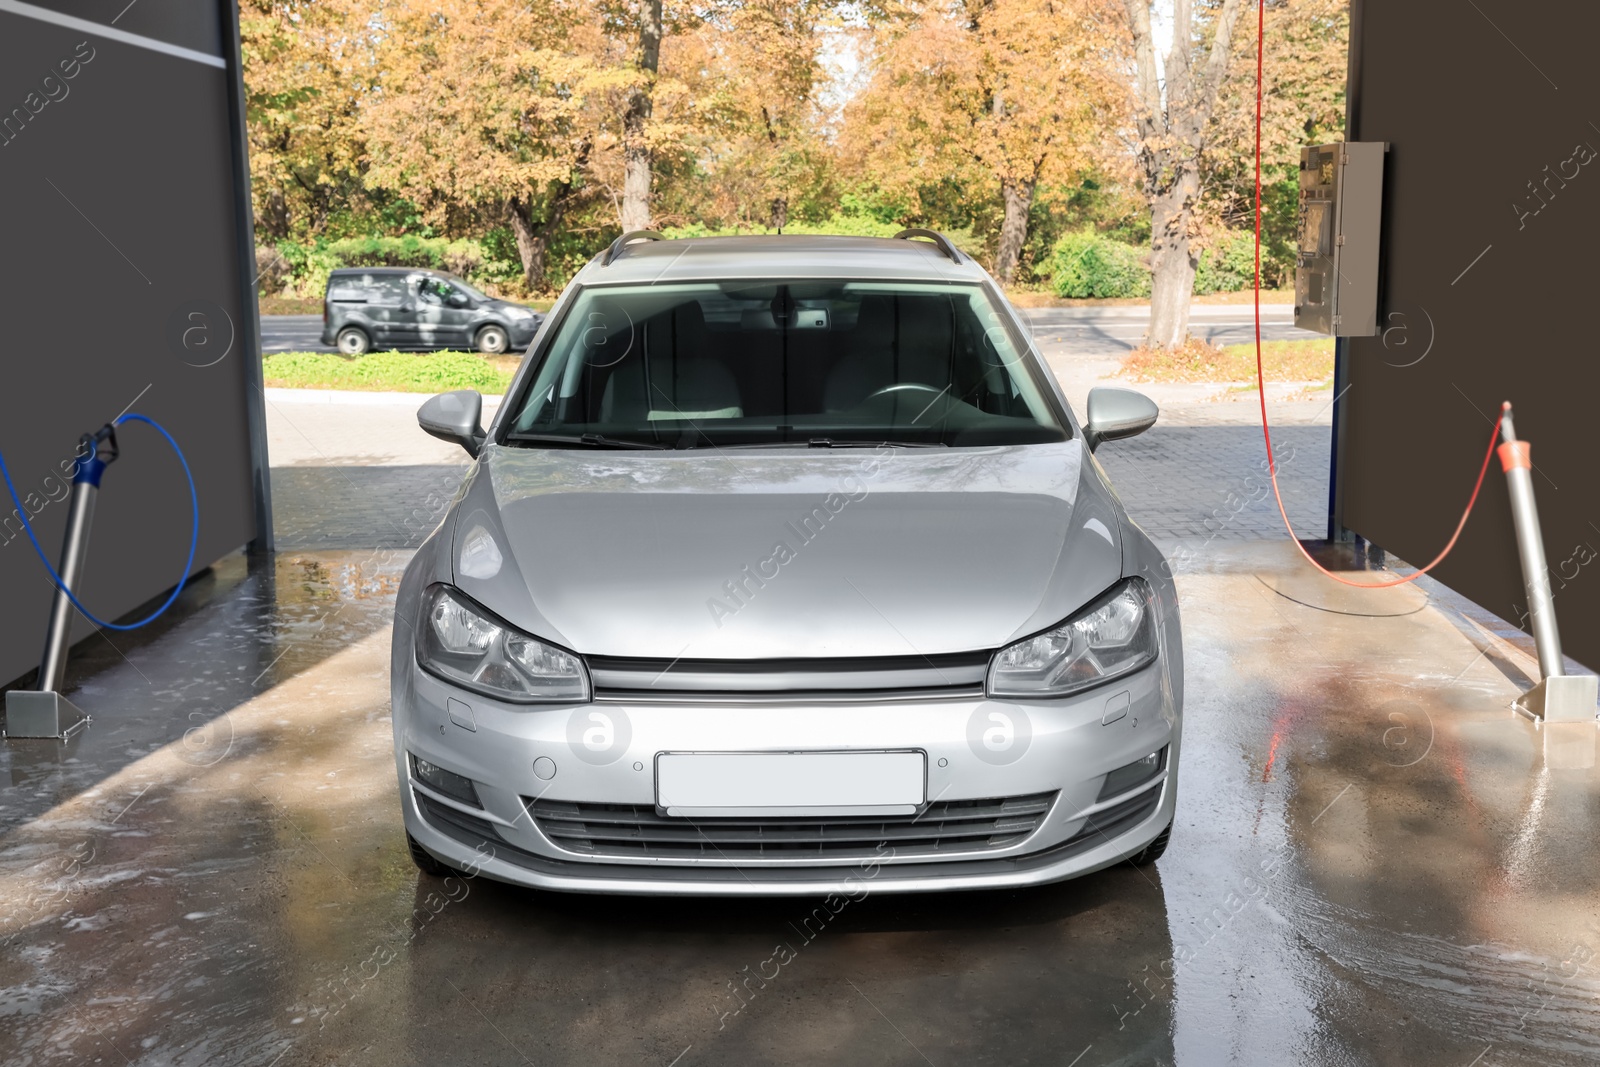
{"points": [[644, 20], [304, 81], [1173, 121], [1003, 94], [761, 135], [1303, 100], [488, 106]]}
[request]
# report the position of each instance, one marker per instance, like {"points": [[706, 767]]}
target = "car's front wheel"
{"points": [[353, 341], [1153, 851], [492, 340], [425, 861]]}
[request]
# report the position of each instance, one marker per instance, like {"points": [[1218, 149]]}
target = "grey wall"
{"points": [[1475, 111], [121, 190]]}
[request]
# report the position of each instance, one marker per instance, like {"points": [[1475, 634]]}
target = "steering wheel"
{"points": [[905, 387]]}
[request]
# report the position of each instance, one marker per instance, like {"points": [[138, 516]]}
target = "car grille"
{"points": [[637, 831], [878, 678]]}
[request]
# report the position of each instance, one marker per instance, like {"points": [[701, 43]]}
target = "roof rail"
{"points": [[632, 235], [939, 240]]}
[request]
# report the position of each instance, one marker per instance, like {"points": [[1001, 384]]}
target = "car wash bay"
{"points": [[1374, 859]]}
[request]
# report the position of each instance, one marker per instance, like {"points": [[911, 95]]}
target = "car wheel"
{"points": [[353, 341], [1153, 851], [492, 340], [425, 861]]}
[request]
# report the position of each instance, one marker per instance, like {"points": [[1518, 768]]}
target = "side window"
{"points": [[345, 289], [388, 291], [433, 292]]}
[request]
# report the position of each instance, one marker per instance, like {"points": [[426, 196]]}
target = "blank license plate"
{"points": [[790, 783]]}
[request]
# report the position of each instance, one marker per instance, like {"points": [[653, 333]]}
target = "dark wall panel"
{"points": [[1490, 293], [198, 26], [120, 224]]}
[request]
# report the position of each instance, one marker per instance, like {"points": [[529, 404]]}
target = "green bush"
{"points": [[847, 225], [309, 265], [842, 225], [875, 204], [1229, 265], [1086, 264], [392, 372]]}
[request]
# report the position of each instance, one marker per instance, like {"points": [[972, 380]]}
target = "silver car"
{"points": [[785, 568]]}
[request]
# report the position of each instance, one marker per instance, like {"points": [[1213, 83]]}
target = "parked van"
{"points": [[404, 307]]}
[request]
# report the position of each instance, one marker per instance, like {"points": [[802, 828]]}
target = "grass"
{"points": [[390, 372], [1198, 361], [289, 305]]}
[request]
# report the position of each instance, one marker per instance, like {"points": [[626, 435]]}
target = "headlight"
{"points": [[1113, 636], [461, 643], [518, 314]]}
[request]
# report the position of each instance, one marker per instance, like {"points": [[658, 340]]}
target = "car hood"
{"points": [[754, 555]]}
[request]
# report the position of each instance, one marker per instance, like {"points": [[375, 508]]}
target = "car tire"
{"points": [[353, 341], [425, 861], [492, 340], [1153, 851]]}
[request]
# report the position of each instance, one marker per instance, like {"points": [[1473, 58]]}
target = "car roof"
{"points": [[779, 256]]}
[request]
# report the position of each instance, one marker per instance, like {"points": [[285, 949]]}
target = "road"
{"points": [[1109, 331], [292, 333], [1087, 331]]}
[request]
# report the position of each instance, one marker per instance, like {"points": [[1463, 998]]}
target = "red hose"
{"points": [[1261, 385]]}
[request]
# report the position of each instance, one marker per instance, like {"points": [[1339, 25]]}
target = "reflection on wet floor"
{"points": [[1375, 862]]}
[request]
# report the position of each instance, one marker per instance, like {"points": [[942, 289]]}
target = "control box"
{"points": [[1336, 265]]}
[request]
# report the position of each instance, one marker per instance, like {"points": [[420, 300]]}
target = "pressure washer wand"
{"points": [[1558, 696], [44, 712], [92, 463], [1515, 461]]}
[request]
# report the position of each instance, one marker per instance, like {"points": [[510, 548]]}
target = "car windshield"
{"points": [[471, 290], [799, 363]]}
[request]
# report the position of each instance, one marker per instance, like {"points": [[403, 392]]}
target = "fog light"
{"points": [[440, 780], [1132, 775]]}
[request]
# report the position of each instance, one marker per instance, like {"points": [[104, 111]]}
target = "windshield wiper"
{"points": [[586, 440], [828, 442]]}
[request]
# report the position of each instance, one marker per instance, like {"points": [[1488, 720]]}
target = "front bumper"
{"points": [[520, 332], [1068, 753]]}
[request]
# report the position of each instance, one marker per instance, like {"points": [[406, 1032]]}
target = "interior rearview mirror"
{"points": [[1117, 413], [457, 417]]}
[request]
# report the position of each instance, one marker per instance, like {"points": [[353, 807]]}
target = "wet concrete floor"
{"points": [[1375, 862]]}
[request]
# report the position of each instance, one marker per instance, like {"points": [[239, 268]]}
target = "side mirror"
{"points": [[1118, 413], [455, 417], [457, 300]]}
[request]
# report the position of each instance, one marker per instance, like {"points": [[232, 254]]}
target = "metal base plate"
{"points": [[35, 714], [1567, 698]]}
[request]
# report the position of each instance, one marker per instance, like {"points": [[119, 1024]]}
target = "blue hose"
{"points": [[194, 534]]}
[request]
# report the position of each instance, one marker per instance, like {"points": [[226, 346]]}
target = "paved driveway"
{"points": [[1374, 861]]}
